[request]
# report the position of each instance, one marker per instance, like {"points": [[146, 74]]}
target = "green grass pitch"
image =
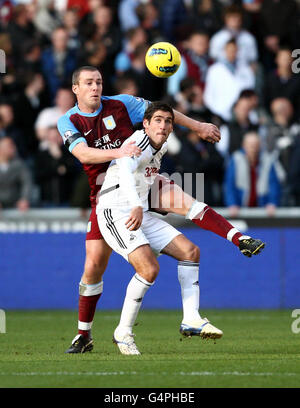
{"points": [[258, 349]]}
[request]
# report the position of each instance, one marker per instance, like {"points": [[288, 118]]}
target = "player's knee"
{"points": [[149, 272], [93, 269], [192, 253]]}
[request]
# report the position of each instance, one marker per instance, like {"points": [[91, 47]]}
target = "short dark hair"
{"points": [[77, 72], [233, 9], [247, 93], [156, 106], [231, 41]]}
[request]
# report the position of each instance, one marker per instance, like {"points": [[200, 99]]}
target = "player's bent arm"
{"points": [[92, 155], [127, 167], [206, 131]]}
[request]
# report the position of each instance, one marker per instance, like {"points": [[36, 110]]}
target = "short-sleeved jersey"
{"points": [[107, 128]]}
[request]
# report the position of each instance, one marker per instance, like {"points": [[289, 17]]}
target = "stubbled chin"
{"points": [[94, 103]]}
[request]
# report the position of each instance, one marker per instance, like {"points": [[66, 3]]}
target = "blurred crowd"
{"points": [[239, 71]]}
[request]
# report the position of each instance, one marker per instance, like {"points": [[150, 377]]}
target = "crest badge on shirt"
{"points": [[109, 122]]}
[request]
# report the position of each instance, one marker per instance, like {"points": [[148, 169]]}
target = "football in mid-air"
{"points": [[163, 59]]}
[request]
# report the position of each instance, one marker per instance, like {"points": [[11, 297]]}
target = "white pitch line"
{"points": [[122, 373]]}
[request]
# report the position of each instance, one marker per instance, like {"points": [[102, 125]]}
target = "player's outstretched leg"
{"points": [[174, 200], [206, 218]]}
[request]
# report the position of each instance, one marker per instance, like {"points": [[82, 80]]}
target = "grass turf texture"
{"points": [[258, 349]]}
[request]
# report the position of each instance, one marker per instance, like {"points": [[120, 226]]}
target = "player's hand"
{"points": [[135, 219], [129, 150], [208, 132]]}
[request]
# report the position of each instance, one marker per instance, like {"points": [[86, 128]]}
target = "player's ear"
{"points": [[74, 89], [145, 123]]}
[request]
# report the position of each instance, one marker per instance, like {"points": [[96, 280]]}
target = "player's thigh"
{"points": [[158, 232], [97, 257], [117, 235], [171, 197], [144, 262], [182, 249]]}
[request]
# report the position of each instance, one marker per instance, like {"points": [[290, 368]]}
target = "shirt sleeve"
{"points": [[135, 106], [69, 133]]}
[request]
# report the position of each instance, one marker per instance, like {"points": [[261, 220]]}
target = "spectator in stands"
{"points": [[15, 178], [48, 117], [125, 85], [31, 62], [148, 15], [251, 9], [58, 61], [80, 6], [10, 129], [104, 30], [206, 16], [253, 178], [246, 42], [172, 14], [55, 171], [21, 29], [196, 156], [7, 7], [194, 62], [134, 37], [127, 14], [190, 100], [71, 24], [101, 43], [46, 17], [149, 87], [282, 82], [233, 132], [281, 131], [278, 22], [30, 102], [225, 80], [87, 20]]}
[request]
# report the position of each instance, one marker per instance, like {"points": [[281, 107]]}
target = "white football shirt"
{"points": [[128, 180]]}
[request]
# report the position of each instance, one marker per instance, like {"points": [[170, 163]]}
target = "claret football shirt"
{"points": [[107, 128]]}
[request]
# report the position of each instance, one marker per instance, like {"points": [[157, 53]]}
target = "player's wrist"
{"points": [[117, 153], [137, 206]]}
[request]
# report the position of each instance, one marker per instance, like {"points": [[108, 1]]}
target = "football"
{"points": [[163, 59]]}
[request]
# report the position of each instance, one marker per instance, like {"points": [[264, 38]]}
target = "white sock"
{"points": [[196, 208], [135, 292], [188, 276], [231, 233]]}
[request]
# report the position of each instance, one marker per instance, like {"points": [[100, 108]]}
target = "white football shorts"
{"points": [[153, 231]]}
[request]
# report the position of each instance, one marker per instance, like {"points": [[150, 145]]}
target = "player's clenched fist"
{"points": [[208, 132], [130, 150], [135, 219]]}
